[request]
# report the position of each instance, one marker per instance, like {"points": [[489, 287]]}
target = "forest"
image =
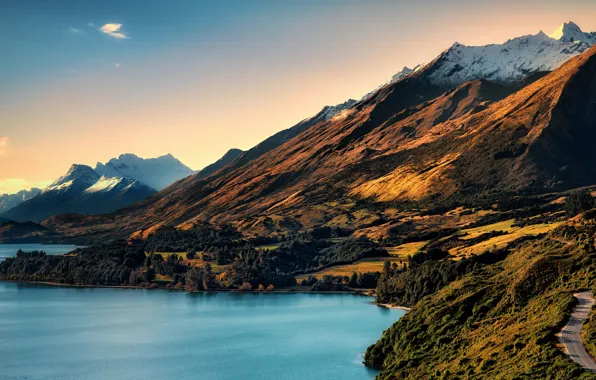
{"points": [[240, 265]]}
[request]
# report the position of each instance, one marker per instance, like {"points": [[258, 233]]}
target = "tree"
{"points": [[387, 268], [191, 253], [129, 262], [354, 280], [208, 277], [194, 279], [578, 202], [149, 275]]}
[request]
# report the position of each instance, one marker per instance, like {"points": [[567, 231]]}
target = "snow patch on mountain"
{"points": [[106, 184], [60, 187], [404, 73], [329, 112]]}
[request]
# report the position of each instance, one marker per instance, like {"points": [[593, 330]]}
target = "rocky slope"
{"points": [[226, 159], [498, 322]]}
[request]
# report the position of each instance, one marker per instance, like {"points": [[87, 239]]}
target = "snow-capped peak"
{"points": [[570, 32], [511, 61], [81, 176], [157, 173], [404, 73]]}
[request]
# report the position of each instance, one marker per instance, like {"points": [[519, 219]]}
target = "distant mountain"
{"points": [[226, 159], [157, 173], [8, 201], [80, 190], [27, 232]]}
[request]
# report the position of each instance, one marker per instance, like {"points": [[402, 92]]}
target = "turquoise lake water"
{"points": [[9, 250], [87, 334]]}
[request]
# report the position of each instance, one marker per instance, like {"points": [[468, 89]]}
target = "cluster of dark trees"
{"points": [[170, 239], [306, 256], [425, 273], [124, 263], [107, 264], [337, 283], [578, 202]]}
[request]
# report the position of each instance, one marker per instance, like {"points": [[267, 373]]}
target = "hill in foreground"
{"points": [[501, 321]]}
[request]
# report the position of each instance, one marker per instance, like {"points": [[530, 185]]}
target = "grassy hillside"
{"points": [[500, 321]]}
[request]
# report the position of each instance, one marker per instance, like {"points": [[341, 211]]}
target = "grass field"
{"points": [[470, 233], [267, 247], [214, 267], [196, 262], [405, 250], [362, 266], [497, 242], [399, 253]]}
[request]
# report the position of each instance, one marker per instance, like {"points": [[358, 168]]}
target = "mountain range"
{"points": [[157, 173], [80, 190], [110, 186], [476, 122], [8, 201]]}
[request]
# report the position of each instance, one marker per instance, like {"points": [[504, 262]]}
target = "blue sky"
{"points": [[195, 78]]}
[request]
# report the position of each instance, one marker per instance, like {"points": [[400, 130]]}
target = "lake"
{"points": [[96, 333], [9, 250]]}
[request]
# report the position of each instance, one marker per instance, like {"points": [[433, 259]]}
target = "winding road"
{"points": [[570, 336]]}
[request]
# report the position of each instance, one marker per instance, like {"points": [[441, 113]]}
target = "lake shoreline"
{"points": [[291, 290], [391, 306], [279, 291]]}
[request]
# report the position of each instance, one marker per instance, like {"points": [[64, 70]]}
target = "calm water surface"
{"points": [[9, 250], [76, 333]]}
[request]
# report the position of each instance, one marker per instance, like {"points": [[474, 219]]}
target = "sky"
{"points": [[83, 81]]}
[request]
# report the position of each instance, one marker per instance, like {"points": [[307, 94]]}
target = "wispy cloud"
{"points": [[3, 144], [76, 31], [117, 64], [14, 185], [114, 30]]}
